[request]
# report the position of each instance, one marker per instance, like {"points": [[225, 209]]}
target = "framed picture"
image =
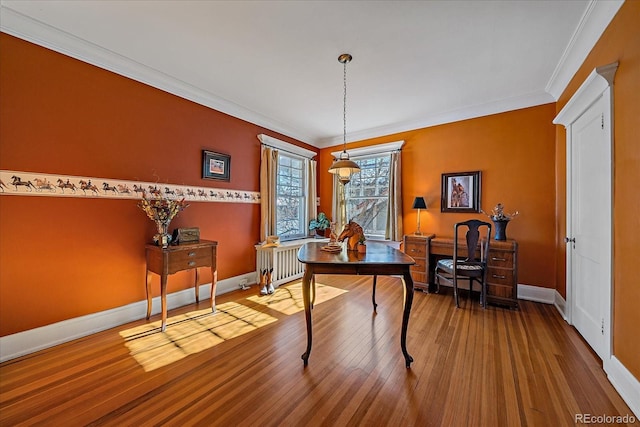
{"points": [[460, 192], [216, 166]]}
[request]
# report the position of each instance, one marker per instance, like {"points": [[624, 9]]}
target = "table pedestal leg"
{"points": [[306, 298], [373, 293], [408, 301]]}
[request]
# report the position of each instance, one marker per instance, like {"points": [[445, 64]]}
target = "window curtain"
{"points": [[394, 229], [312, 190], [338, 208], [268, 181]]}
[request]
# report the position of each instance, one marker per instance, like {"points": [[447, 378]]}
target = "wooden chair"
{"points": [[464, 264]]}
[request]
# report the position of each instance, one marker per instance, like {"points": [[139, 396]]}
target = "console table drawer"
{"points": [[183, 260]]}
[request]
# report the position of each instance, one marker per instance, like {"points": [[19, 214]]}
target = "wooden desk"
{"points": [[380, 259], [176, 258], [502, 275]]}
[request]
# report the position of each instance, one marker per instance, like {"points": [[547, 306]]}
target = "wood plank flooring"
{"points": [[473, 367]]}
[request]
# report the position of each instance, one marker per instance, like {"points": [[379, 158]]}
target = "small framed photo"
{"points": [[216, 166], [460, 192]]}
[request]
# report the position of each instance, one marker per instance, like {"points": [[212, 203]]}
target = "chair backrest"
{"points": [[472, 236]]}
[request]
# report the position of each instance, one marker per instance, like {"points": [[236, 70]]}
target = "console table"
{"points": [[170, 260]]}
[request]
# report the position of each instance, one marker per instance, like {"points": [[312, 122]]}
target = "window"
{"points": [[291, 215], [367, 195]]}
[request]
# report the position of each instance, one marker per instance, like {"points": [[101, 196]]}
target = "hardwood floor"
{"points": [[493, 367]]}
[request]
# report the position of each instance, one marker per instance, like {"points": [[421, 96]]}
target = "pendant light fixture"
{"points": [[344, 167]]}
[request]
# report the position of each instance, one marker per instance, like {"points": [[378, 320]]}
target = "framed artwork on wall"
{"points": [[216, 166], [460, 192]]}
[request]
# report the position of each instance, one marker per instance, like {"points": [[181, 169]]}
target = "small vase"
{"points": [[162, 238], [501, 229]]}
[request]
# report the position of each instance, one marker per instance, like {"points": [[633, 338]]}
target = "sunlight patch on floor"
{"points": [[288, 299], [190, 333]]}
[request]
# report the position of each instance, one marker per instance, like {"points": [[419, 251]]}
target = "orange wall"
{"points": [[620, 42], [66, 257], [515, 152]]}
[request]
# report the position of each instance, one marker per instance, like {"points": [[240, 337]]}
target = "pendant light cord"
{"points": [[344, 109]]}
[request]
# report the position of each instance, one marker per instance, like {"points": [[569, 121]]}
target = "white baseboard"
{"points": [[625, 384], [21, 343], [536, 294], [561, 305]]}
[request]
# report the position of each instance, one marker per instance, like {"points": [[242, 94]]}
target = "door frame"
{"points": [[599, 83]]}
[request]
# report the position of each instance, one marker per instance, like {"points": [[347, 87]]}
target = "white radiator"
{"points": [[283, 259]]}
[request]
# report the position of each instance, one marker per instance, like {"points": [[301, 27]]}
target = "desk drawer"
{"points": [[183, 260], [415, 250], [500, 259], [502, 276], [420, 265]]}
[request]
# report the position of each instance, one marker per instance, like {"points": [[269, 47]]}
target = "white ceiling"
{"points": [[274, 63]]}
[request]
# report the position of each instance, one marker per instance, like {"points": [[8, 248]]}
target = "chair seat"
{"points": [[447, 264]]}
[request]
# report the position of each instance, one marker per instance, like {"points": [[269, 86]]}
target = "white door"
{"points": [[590, 248]]}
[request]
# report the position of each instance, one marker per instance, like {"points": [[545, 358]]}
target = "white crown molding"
{"points": [[387, 147], [594, 21], [285, 146], [495, 107], [26, 28]]}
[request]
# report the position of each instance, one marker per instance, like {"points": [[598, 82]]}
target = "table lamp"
{"points": [[419, 203]]}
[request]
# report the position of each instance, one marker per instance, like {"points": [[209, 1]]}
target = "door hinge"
{"points": [[602, 121], [602, 327], [571, 240]]}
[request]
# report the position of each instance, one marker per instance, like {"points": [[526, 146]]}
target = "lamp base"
{"points": [[418, 233]]}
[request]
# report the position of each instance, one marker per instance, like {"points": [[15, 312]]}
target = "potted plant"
{"points": [[362, 246], [320, 224]]}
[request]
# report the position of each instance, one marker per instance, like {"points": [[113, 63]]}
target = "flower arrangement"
{"points": [[162, 209], [498, 214]]}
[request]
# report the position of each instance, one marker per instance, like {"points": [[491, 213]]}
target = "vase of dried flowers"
{"points": [[162, 210], [500, 221]]}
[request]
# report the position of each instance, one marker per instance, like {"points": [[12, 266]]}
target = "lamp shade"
{"points": [[419, 203], [344, 168]]}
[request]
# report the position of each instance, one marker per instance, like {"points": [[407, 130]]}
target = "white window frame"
{"points": [[304, 215], [290, 150], [371, 151]]}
